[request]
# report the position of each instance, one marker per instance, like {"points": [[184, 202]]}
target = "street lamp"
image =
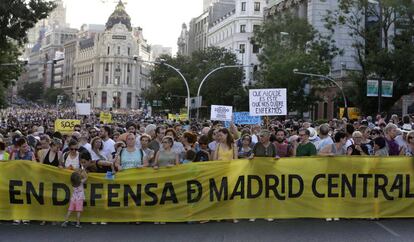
{"points": [[222, 66], [162, 62], [295, 71]]}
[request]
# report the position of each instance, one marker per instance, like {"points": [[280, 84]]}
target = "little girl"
{"points": [[78, 196]]}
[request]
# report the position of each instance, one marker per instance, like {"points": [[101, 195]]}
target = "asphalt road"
{"points": [[280, 230]]}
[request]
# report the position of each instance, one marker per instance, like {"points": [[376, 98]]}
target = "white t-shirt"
{"points": [[74, 162], [108, 146], [95, 157], [349, 142]]}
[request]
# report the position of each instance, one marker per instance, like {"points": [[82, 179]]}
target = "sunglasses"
{"points": [[75, 149]]}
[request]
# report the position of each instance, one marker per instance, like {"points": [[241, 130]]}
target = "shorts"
{"points": [[76, 206]]}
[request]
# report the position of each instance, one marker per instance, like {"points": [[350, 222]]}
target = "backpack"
{"points": [[140, 150]]}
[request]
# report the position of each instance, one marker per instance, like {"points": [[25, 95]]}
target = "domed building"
{"points": [[106, 71]]}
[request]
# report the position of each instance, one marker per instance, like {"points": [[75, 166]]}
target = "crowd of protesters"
{"points": [[133, 141]]}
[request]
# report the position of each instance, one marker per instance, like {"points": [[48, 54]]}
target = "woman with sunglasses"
{"points": [[53, 155], [166, 157], [410, 144], [71, 158]]}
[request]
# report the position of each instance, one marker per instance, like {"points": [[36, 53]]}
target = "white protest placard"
{"points": [[268, 102], [221, 113], [83, 108]]}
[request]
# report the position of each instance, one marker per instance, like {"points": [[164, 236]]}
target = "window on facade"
{"points": [[117, 81], [129, 51], [257, 6], [103, 100], [106, 80], [107, 67], [129, 100], [129, 68], [119, 50], [243, 6], [118, 67], [325, 110], [116, 99], [127, 80], [242, 48], [109, 50], [256, 48], [242, 28]]}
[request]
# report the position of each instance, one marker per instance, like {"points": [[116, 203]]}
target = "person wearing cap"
{"points": [[302, 146], [264, 148]]}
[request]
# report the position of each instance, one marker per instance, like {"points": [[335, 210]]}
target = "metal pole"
{"points": [[330, 79], [182, 76], [380, 74], [211, 72]]}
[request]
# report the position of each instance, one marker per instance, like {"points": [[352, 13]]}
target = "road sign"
{"points": [[195, 102]]}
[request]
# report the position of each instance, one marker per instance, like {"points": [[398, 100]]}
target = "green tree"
{"points": [[224, 87], [386, 56], [17, 16], [32, 91], [290, 43]]}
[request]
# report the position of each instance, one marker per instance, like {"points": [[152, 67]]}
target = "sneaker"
{"points": [[94, 223], [16, 222], [270, 220], [328, 219], [137, 223], [65, 224], [42, 223], [156, 222], [162, 222], [336, 219], [204, 221], [26, 222], [78, 226], [252, 220], [235, 221], [103, 223]]}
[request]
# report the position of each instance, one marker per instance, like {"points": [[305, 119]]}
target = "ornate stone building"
{"points": [[108, 70]]}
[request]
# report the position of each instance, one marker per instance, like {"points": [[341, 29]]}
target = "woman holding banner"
{"points": [[53, 155], [226, 149], [130, 157], [166, 157]]}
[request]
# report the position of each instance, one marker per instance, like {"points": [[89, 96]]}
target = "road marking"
{"points": [[388, 229]]}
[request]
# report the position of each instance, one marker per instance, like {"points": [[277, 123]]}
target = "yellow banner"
{"points": [[65, 126], [106, 118], [314, 187], [180, 117], [353, 113]]}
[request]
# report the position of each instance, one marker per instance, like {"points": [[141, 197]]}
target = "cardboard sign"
{"points": [[83, 108], [106, 118], [66, 126], [221, 113], [178, 117], [245, 118], [268, 102]]}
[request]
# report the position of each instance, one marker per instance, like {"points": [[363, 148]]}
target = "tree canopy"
{"points": [[224, 87], [17, 17], [287, 43], [382, 34]]}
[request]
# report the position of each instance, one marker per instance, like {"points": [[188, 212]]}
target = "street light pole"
{"points": [[162, 62], [329, 79], [211, 72]]}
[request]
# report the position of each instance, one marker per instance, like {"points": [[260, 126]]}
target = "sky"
{"points": [[161, 20]]}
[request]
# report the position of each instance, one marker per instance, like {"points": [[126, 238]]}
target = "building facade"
{"points": [[109, 72], [234, 31], [183, 41]]}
